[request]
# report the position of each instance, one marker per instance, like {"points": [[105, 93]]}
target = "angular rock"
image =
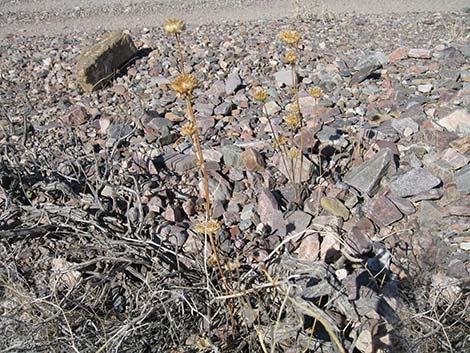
{"points": [[253, 160], [335, 207], [382, 211], [220, 189], [454, 158], [117, 131], [283, 78], [359, 242], [330, 247], [298, 221], [232, 155], [309, 248], [172, 214], [224, 109], [363, 74], [269, 213], [232, 83], [433, 194], [77, 115], [97, 64], [397, 55], [414, 182], [418, 53], [179, 162], [272, 108], [404, 205], [462, 180], [462, 145], [458, 121], [366, 177], [402, 124], [174, 117]]}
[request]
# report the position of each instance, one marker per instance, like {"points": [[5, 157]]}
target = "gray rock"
{"points": [[401, 124], [220, 189], [223, 109], [419, 53], [366, 178], [232, 83], [205, 109], [462, 179], [248, 211], [363, 74], [117, 131], [308, 168], [283, 78], [179, 162], [272, 108], [232, 156], [414, 182], [269, 213], [454, 158], [162, 127], [429, 214], [298, 221], [377, 58], [331, 136]]}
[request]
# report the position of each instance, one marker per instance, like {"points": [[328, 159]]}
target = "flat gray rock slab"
{"points": [[462, 180], [366, 177], [414, 182]]}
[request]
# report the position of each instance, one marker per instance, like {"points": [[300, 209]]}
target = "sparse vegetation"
{"points": [[110, 247]]}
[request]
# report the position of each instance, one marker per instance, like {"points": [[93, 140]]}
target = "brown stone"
{"points": [[99, 63], [382, 211], [253, 160]]}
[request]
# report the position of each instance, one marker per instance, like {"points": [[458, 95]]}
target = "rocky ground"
{"points": [[100, 193], [32, 17]]}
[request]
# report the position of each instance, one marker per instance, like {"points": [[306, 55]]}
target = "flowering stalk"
{"points": [[209, 227], [260, 95], [184, 86], [291, 39]]}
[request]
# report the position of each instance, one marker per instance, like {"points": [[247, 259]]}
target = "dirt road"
{"points": [[61, 16]]}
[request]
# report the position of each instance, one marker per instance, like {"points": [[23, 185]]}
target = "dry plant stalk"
{"points": [[260, 95], [184, 85]]}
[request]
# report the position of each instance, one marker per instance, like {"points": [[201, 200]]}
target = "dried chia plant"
{"points": [[294, 121], [184, 85]]}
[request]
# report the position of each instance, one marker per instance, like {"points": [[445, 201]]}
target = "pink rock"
{"points": [[456, 121], [382, 211], [309, 249], [397, 55], [77, 115], [330, 247], [172, 214], [419, 53]]}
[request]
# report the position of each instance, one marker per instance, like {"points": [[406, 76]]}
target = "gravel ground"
{"points": [[61, 16], [100, 193]]}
